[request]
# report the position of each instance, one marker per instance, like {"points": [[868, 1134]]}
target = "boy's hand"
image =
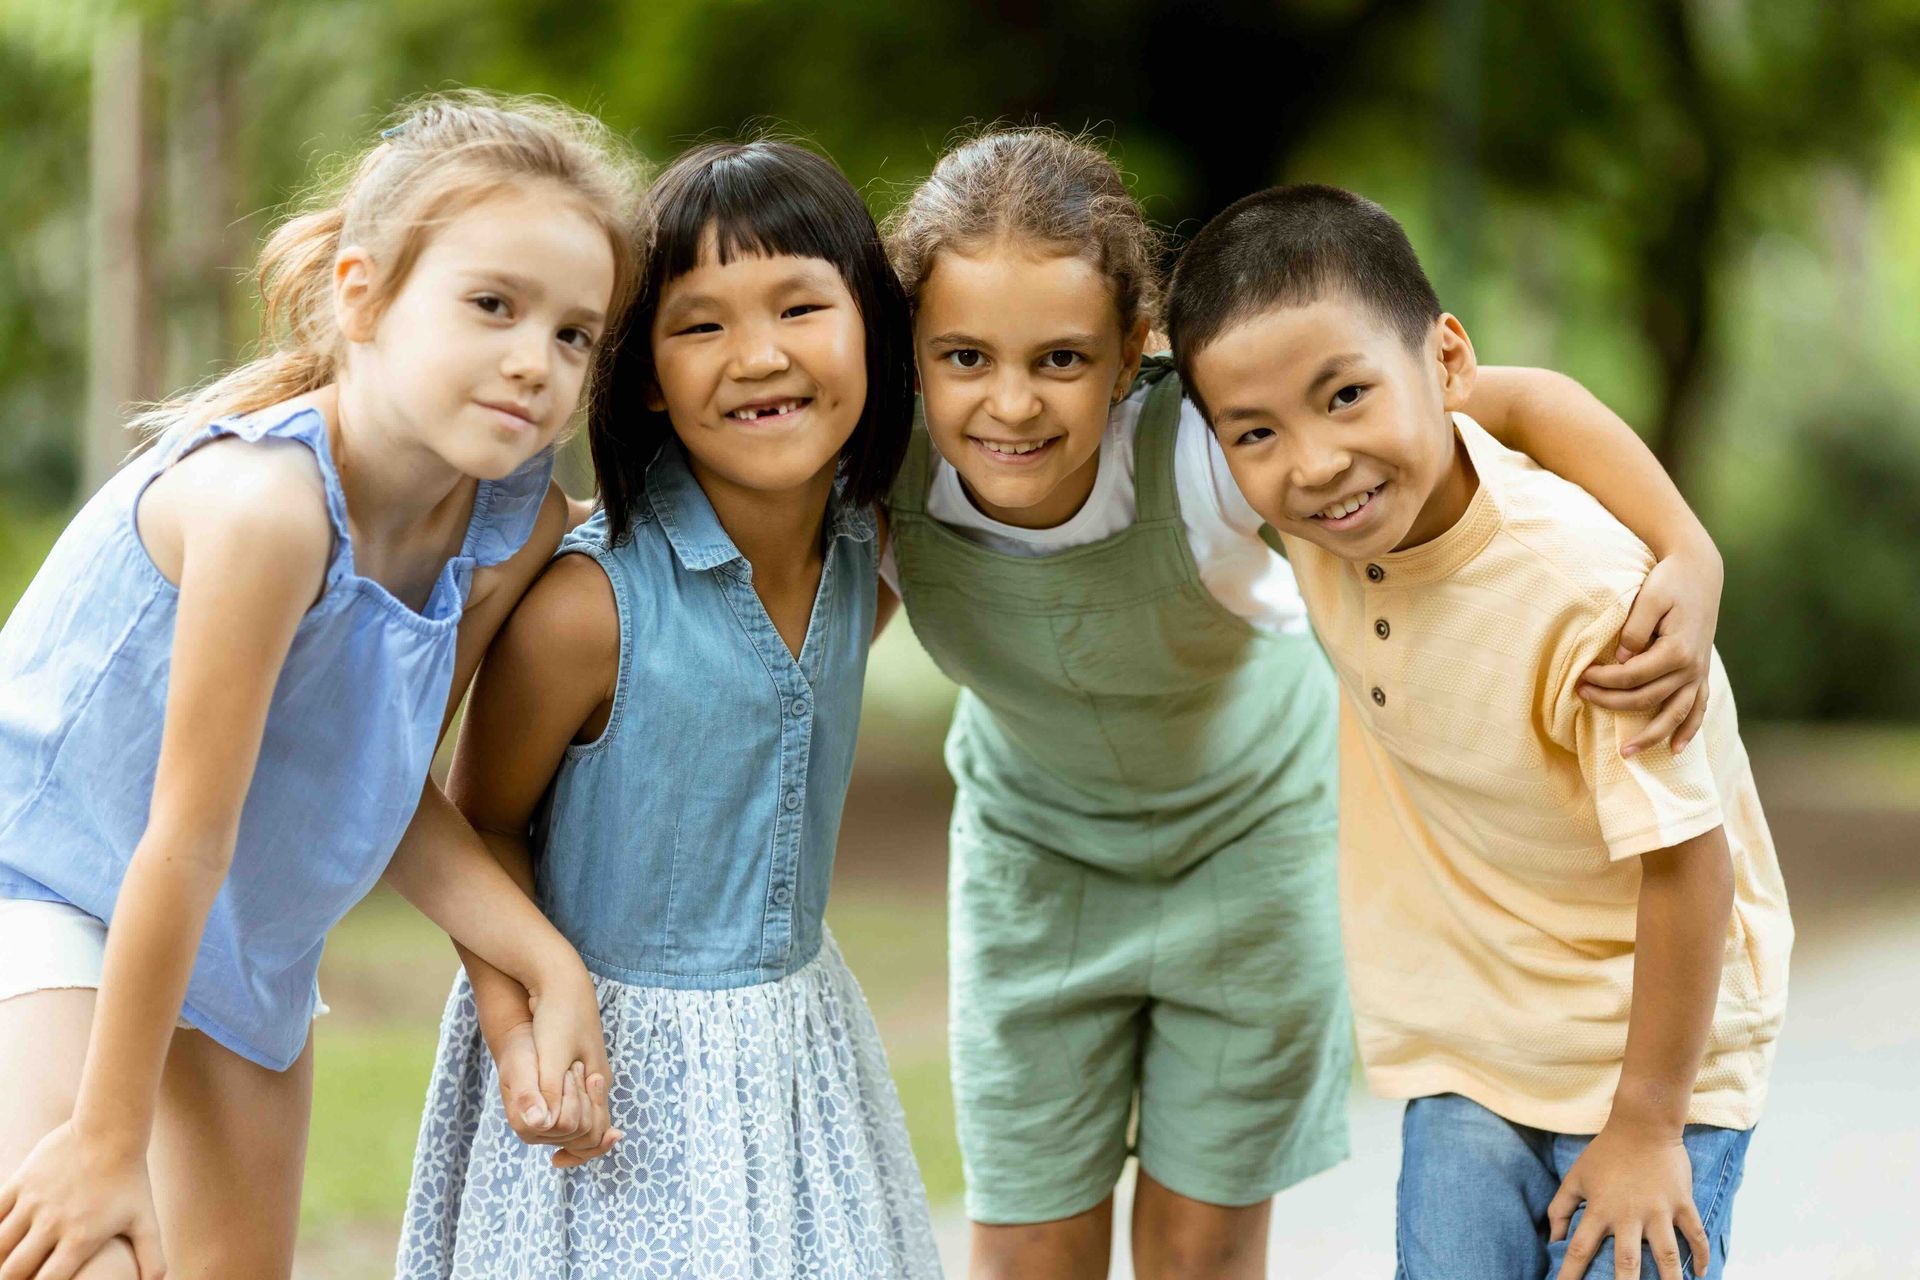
{"points": [[1637, 1185], [1665, 653], [70, 1197]]}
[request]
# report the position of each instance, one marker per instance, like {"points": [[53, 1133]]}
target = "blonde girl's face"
{"points": [[482, 353], [761, 365], [1021, 358]]}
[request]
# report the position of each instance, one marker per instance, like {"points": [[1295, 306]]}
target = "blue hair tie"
{"points": [[395, 131]]}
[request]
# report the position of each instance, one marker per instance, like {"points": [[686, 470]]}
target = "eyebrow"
{"points": [[1333, 368], [528, 285], [957, 339], [804, 277]]}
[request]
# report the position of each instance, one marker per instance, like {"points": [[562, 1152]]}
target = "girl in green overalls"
{"points": [[1143, 895]]}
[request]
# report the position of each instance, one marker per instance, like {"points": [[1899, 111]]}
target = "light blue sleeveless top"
{"points": [[691, 844], [349, 735]]}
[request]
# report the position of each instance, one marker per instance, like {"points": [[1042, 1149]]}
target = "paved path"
{"points": [[1833, 1183]]}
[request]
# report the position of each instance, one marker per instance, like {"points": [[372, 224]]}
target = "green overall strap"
{"points": [[1155, 496], [916, 472]]}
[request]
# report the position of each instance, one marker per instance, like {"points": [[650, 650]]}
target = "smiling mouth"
{"points": [[1347, 511], [769, 410], [1015, 452]]}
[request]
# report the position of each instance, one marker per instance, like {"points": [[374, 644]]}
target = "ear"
{"points": [[653, 397], [353, 295], [1458, 367], [1132, 346]]}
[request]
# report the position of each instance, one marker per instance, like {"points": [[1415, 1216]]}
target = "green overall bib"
{"points": [[1143, 893]]}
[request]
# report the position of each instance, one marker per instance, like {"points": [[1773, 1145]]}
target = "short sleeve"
{"points": [[1652, 800]]}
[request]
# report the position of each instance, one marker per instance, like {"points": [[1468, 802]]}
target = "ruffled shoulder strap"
{"points": [[504, 510]]}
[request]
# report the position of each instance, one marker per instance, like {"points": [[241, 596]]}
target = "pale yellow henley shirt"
{"points": [[1489, 825]]}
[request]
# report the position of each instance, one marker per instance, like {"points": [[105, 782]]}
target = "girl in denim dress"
{"points": [[658, 748], [220, 695]]}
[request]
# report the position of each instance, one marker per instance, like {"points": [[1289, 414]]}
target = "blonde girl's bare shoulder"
{"points": [[241, 498]]}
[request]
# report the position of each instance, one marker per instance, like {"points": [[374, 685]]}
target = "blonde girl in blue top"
{"points": [[658, 749], [220, 695], [1144, 926]]}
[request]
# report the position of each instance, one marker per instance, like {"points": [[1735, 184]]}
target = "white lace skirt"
{"points": [[764, 1140]]}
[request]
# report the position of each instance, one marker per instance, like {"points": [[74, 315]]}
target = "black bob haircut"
{"points": [[1287, 247], [777, 199]]}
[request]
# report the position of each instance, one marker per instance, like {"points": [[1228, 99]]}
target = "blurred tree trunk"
{"points": [[121, 346], [1677, 253], [207, 237]]}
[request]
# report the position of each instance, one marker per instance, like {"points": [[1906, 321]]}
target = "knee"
{"points": [[1188, 1252], [113, 1262]]}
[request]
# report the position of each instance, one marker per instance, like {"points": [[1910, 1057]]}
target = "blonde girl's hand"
{"points": [[570, 1050], [70, 1197], [572, 1125], [1665, 653]]}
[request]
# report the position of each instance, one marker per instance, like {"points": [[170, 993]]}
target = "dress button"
{"points": [[1381, 629], [1379, 696], [793, 797], [782, 895], [1375, 573], [798, 707]]}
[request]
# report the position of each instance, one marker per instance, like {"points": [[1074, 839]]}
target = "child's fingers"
{"points": [[24, 1260], [1664, 723], [67, 1259], [147, 1252], [1643, 619], [1664, 1240], [1695, 718], [1642, 699], [14, 1223], [1626, 1252], [1661, 660], [1688, 1220], [1583, 1246], [568, 1158], [1560, 1211]]}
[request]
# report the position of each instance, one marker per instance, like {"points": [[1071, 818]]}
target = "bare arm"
{"points": [[548, 680], [1565, 428], [252, 539], [1635, 1176]]}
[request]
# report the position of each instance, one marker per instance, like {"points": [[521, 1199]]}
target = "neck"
{"points": [[1447, 504], [778, 531], [392, 485]]}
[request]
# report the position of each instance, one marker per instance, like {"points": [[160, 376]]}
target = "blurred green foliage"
{"points": [[1708, 212]]}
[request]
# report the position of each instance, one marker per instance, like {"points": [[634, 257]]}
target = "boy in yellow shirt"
{"points": [[1571, 960]]}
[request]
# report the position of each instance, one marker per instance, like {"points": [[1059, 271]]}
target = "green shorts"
{"points": [[1215, 998]]}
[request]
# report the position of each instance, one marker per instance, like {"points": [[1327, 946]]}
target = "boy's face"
{"points": [[1336, 429]]}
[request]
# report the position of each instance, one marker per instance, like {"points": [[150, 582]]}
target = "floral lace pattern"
{"points": [[764, 1140]]}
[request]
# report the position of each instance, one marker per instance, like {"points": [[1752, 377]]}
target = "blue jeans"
{"points": [[1474, 1190]]}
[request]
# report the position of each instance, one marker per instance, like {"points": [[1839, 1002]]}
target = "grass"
{"points": [[386, 975]]}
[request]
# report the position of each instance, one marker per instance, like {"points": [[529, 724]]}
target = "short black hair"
{"points": [[1286, 247], [775, 198]]}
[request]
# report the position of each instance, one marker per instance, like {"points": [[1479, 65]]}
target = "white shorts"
{"points": [[47, 946]]}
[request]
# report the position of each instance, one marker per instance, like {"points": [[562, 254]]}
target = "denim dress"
{"points": [[686, 852], [350, 731]]}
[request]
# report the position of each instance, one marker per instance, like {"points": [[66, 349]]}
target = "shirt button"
{"points": [[782, 895], [793, 797], [1379, 696], [798, 707], [1381, 629], [1375, 573]]}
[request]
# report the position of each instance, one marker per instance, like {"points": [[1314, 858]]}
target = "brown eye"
{"points": [[1347, 396], [1063, 359], [965, 358]]}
